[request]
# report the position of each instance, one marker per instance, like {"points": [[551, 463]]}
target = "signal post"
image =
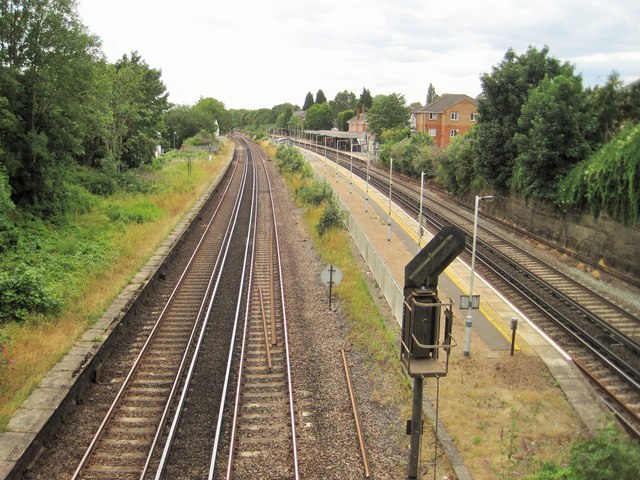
{"points": [[423, 340]]}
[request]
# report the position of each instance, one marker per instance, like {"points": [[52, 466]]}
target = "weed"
{"points": [[332, 217]]}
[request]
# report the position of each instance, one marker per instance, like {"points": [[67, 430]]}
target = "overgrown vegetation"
{"points": [[610, 455], [609, 181], [58, 274], [315, 193]]}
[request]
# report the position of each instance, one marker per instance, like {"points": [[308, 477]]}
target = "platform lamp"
{"points": [[473, 301], [366, 194], [390, 184], [337, 156], [420, 214]]}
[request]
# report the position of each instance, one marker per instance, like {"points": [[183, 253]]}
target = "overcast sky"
{"points": [[260, 53]]}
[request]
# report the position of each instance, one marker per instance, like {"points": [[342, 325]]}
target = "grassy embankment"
{"points": [[87, 259]]}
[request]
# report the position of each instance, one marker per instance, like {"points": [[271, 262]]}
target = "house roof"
{"points": [[361, 117], [446, 101]]}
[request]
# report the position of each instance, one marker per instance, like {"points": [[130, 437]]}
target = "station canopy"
{"points": [[337, 134]]}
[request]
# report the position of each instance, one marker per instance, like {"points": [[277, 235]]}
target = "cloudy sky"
{"points": [[260, 53]]}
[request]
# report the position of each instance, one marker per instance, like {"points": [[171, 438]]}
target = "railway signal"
{"points": [[422, 340]]}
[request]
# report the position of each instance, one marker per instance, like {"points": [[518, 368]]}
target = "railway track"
{"points": [[601, 336], [261, 429], [123, 443], [186, 450]]}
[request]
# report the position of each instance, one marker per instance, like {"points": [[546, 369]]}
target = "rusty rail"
{"points": [[356, 416]]}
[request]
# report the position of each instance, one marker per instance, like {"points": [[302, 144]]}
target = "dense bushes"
{"points": [[25, 290], [314, 193], [609, 181], [608, 456], [311, 192], [332, 217], [291, 160]]}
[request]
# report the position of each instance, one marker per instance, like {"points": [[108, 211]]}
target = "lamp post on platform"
{"points": [[469, 320], [337, 157], [366, 192], [390, 184], [420, 215]]}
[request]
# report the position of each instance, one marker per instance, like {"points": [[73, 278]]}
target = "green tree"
{"points": [[319, 117], [344, 101], [457, 166], [554, 125], [320, 97], [432, 96], [631, 102], [308, 101], [281, 114], [410, 154], [387, 111], [261, 118], [505, 90], [343, 118], [295, 123], [139, 101], [182, 122], [214, 110], [365, 101], [608, 181], [283, 118], [607, 107], [46, 72]]}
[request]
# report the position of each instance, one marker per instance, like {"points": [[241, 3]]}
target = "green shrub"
{"points": [[332, 217], [608, 181], [25, 290], [608, 456], [80, 200], [140, 212], [8, 232], [132, 182], [314, 193], [95, 181], [290, 160]]}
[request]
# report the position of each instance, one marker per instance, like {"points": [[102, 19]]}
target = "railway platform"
{"points": [[491, 323]]}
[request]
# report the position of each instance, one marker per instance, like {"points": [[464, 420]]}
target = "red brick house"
{"points": [[447, 117], [358, 123]]}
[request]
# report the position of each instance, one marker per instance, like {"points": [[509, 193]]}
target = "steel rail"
{"points": [[274, 259], [408, 199], [143, 350], [247, 266], [294, 437], [626, 370], [595, 265], [356, 416], [243, 345], [180, 406]]}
